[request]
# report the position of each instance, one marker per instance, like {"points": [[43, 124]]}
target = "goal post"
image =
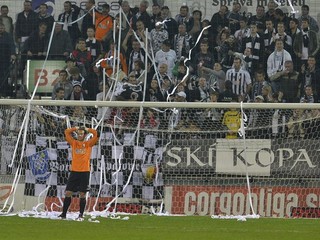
{"points": [[156, 157]]}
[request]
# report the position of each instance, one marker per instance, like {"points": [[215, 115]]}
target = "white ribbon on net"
{"points": [[243, 124]]}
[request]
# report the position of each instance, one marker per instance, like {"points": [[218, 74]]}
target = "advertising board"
{"points": [[47, 77]]}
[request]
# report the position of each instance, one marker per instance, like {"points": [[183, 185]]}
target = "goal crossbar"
{"points": [[161, 104]]}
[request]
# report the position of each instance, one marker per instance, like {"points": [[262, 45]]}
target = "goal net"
{"points": [[155, 156], [165, 157]]}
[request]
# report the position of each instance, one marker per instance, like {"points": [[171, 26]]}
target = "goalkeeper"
{"points": [[80, 166]]}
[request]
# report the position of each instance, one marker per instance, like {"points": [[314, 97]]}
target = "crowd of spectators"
{"points": [[268, 57]]}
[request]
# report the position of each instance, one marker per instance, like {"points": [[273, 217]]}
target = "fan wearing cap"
{"points": [[80, 166], [77, 81], [259, 99], [180, 97], [78, 93]]}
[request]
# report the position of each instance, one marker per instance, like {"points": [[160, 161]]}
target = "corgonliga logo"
{"points": [[267, 202]]}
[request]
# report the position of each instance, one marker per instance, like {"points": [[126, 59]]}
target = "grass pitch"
{"points": [[153, 227]]}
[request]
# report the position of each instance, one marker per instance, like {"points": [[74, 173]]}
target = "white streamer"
{"points": [[242, 131], [98, 63], [185, 61], [243, 124], [102, 174], [293, 11], [238, 217], [78, 19], [161, 23]]}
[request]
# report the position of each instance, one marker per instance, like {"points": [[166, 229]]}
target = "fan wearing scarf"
{"points": [[306, 42], [275, 64]]}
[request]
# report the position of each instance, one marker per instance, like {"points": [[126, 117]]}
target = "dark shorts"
{"points": [[78, 182]]}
